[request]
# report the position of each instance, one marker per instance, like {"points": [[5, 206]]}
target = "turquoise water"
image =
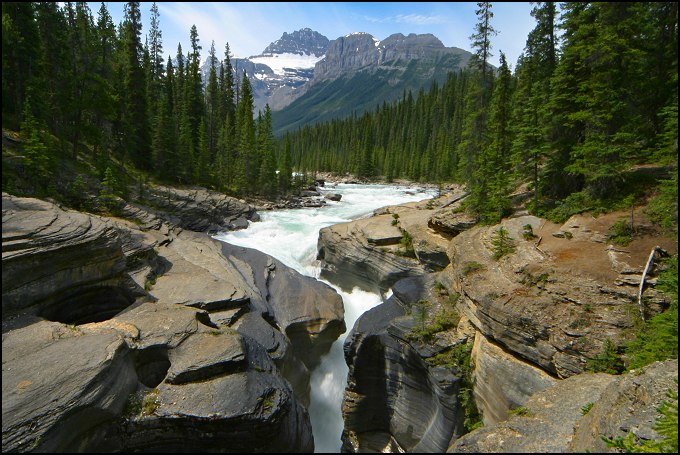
{"points": [[291, 237]]}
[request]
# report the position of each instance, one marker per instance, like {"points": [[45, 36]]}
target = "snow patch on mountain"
{"points": [[282, 64]]}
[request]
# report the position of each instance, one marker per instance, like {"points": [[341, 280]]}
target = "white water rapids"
{"points": [[291, 237]]}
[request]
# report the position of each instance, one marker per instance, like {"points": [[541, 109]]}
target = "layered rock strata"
{"points": [[395, 401], [574, 414], [199, 355], [537, 315], [376, 252], [553, 301]]}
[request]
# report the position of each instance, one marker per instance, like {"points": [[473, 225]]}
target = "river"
{"points": [[291, 236]]}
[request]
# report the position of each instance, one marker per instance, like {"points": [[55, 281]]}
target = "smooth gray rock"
{"points": [[394, 400], [60, 385], [196, 209], [502, 381], [62, 265], [144, 375]]}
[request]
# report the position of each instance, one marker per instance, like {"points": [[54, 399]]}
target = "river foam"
{"points": [[291, 237]]}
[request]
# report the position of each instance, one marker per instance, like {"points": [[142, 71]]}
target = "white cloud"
{"points": [[221, 22], [413, 19]]}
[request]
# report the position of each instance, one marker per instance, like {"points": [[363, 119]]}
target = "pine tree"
{"points": [[136, 122], [38, 160], [268, 183], [481, 42], [496, 165], [285, 168], [247, 164], [19, 53], [212, 104], [534, 72], [194, 84]]}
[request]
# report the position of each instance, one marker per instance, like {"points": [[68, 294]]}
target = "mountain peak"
{"points": [[302, 42]]}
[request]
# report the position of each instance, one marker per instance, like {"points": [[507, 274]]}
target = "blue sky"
{"points": [[250, 27]]}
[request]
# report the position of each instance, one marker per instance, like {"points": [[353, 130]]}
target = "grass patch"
{"points": [[150, 403], [522, 411], [585, 409], [472, 267], [607, 361], [621, 233], [530, 280]]}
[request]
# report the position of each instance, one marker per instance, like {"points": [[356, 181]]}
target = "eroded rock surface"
{"points": [[196, 209], [396, 401], [552, 302], [376, 252], [201, 355], [502, 381], [556, 420], [61, 265]]}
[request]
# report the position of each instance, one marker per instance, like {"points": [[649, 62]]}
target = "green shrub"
{"points": [[528, 232], [150, 403], [502, 243], [459, 357], [522, 411], [472, 267], [573, 204], [585, 409], [608, 361], [658, 338], [621, 233], [406, 243], [663, 209]]}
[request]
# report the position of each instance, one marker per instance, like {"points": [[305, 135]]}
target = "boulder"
{"points": [[333, 196], [310, 313], [545, 424], [61, 386], [502, 381], [451, 223], [142, 375], [371, 254], [629, 404], [349, 260], [195, 209]]}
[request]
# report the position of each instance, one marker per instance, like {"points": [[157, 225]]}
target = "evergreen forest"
{"points": [[592, 101], [80, 88]]}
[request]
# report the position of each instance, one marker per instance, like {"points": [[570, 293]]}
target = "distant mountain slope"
{"points": [[284, 65], [360, 72]]}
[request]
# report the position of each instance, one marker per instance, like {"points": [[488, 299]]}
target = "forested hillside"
{"points": [[576, 118], [82, 90], [591, 102]]}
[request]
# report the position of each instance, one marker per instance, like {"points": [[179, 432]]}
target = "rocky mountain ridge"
{"points": [[300, 63]]}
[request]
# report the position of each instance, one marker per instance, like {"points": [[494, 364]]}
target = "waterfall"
{"points": [[291, 236]]}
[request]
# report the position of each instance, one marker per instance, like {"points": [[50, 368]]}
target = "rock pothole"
{"points": [[152, 365], [90, 305]]}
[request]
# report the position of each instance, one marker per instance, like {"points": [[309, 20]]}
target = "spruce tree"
{"points": [[268, 183], [136, 122], [285, 168]]}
